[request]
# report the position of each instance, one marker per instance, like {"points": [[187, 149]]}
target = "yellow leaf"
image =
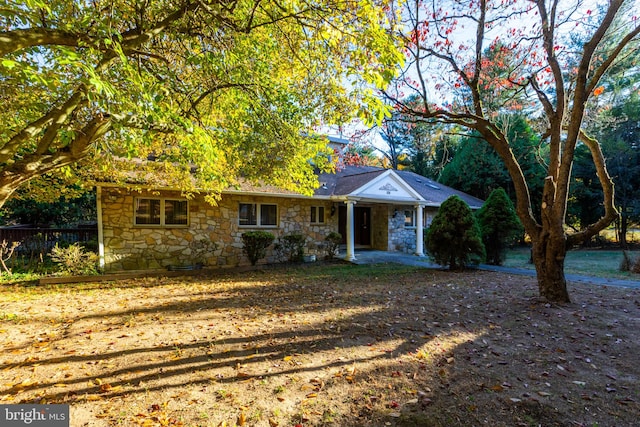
{"points": [[287, 358], [312, 395], [93, 397], [24, 384], [241, 419]]}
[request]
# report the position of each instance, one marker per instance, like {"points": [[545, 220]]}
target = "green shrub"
{"points": [[454, 236], [291, 247], [256, 244], [332, 242], [499, 225], [73, 260]]}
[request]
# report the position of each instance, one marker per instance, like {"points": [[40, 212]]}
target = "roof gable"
{"points": [[387, 186]]}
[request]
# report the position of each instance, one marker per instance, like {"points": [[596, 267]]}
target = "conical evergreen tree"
{"points": [[454, 237], [499, 225]]}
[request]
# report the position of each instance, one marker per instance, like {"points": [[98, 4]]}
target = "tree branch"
{"points": [[610, 211], [15, 40]]}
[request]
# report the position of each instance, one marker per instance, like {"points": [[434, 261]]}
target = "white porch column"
{"points": [[351, 255], [101, 263], [419, 231]]}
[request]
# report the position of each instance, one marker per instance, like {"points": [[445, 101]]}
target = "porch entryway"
{"points": [[361, 225]]}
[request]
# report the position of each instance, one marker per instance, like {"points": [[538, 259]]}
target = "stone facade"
{"points": [[402, 238], [212, 236]]}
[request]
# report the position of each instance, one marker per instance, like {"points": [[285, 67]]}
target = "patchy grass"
{"points": [[324, 345], [586, 262]]}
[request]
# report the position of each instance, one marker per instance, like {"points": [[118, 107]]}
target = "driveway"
{"points": [[377, 257]]}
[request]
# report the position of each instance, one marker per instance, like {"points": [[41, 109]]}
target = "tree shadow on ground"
{"points": [[380, 344]]}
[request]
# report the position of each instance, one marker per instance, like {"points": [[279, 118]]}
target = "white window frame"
{"points": [[258, 223], [319, 218], [413, 218], [163, 218]]}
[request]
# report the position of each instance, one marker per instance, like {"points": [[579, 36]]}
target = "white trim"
{"points": [[258, 223], [101, 262], [318, 216], [163, 214], [414, 196], [419, 230], [350, 255]]}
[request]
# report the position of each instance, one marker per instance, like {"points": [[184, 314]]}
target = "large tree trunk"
{"points": [[548, 256]]}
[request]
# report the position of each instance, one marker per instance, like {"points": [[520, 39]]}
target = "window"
{"points": [[254, 214], [162, 212], [409, 218], [317, 214]]}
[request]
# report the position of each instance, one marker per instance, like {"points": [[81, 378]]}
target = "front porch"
{"points": [[381, 226]]}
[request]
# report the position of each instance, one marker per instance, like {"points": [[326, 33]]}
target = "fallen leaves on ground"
{"points": [[324, 345]]}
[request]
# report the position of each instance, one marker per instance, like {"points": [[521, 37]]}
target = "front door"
{"points": [[361, 225]]}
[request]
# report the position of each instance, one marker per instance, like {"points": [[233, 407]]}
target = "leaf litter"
{"points": [[324, 345]]}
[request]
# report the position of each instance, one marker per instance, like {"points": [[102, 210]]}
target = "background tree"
{"points": [[499, 225], [454, 237], [477, 169], [585, 199], [445, 45], [359, 154], [228, 85], [397, 140], [621, 146]]}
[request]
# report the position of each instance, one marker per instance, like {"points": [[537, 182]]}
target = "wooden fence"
{"points": [[41, 240]]}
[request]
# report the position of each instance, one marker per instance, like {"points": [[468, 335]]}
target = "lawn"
{"points": [[586, 262], [335, 345]]}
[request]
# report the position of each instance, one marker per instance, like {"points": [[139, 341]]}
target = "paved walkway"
{"points": [[378, 257]]}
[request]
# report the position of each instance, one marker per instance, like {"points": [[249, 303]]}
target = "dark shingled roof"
{"points": [[350, 178]]}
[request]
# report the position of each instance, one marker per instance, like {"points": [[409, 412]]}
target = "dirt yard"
{"points": [[324, 345]]}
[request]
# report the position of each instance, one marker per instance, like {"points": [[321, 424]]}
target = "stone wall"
{"points": [[212, 237], [401, 238]]}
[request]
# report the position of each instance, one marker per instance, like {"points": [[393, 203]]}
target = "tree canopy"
{"points": [[470, 62], [237, 87]]}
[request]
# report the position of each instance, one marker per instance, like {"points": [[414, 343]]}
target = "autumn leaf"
{"points": [[598, 91]]}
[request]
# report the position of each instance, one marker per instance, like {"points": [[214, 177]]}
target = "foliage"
{"points": [[477, 169], [6, 252], [454, 237], [332, 243], [256, 244], [234, 87], [468, 64], [359, 154], [620, 144], [291, 247], [499, 225], [73, 260], [397, 142], [59, 213]]}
